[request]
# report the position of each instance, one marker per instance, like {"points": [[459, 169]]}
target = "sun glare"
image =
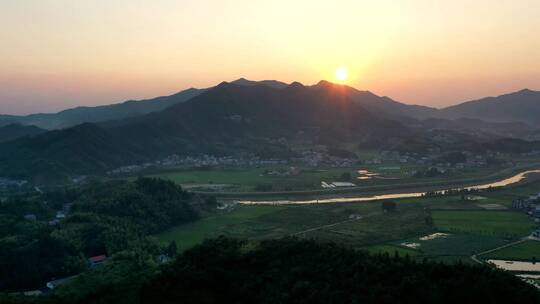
{"points": [[341, 74]]}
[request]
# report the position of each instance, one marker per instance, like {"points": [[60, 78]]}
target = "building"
{"points": [[536, 212], [55, 283], [97, 260], [343, 184]]}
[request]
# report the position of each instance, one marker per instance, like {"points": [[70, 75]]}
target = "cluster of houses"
{"points": [[320, 157], [307, 158], [6, 183], [60, 215], [290, 171], [93, 262], [531, 206], [472, 160], [176, 161]]}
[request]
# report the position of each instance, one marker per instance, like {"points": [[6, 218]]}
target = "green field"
{"points": [[188, 235], [260, 222], [499, 223], [525, 251]]}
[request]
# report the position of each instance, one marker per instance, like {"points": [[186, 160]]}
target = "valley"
{"points": [[259, 162]]}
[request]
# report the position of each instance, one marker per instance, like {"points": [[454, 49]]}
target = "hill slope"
{"points": [[521, 106], [75, 116], [14, 131]]}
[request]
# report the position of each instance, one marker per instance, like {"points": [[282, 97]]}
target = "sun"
{"points": [[342, 74]]}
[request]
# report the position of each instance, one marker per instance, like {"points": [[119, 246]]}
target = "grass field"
{"points": [[499, 223], [188, 235], [263, 222], [525, 251]]}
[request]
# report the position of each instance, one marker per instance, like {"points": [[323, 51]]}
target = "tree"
{"points": [[172, 249]]}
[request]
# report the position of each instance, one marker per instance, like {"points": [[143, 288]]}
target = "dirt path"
{"points": [[474, 256], [334, 224]]}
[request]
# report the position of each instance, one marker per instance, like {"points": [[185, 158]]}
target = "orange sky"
{"points": [[56, 54]]}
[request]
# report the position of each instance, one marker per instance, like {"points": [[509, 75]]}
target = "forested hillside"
{"points": [[50, 236]]}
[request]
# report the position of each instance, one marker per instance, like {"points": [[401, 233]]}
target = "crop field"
{"points": [[470, 228], [525, 251], [497, 223]]}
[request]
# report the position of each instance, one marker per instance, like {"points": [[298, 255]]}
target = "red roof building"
{"points": [[97, 259]]}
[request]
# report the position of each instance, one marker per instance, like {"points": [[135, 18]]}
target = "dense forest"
{"points": [[50, 236], [226, 270]]}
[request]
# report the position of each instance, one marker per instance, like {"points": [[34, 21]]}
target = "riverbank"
{"points": [[371, 190]]}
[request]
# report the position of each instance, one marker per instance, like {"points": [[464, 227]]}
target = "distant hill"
{"points": [[521, 106], [14, 131], [75, 116]]}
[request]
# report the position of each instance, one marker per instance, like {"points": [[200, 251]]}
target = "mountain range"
{"points": [[260, 118], [522, 106]]}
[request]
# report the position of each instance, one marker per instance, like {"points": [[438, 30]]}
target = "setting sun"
{"points": [[341, 74]]}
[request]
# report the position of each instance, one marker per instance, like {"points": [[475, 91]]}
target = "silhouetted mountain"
{"points": [[75, 116], [522, 106], [384, 106], [271, 83], [14, 131]]}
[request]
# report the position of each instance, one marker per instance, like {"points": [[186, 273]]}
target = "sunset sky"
{"points": [[56, 54]]}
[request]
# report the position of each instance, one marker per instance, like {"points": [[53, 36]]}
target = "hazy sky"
{"points": [[56, 54]]}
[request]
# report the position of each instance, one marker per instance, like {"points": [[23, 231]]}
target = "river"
{"points": [[362, 198]]}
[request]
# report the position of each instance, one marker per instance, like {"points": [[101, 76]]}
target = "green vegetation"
{"points": [[499, 223], [289, 270], [357, 224], [526, 251], [392, 250], [112, 218], [134, 222]]}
